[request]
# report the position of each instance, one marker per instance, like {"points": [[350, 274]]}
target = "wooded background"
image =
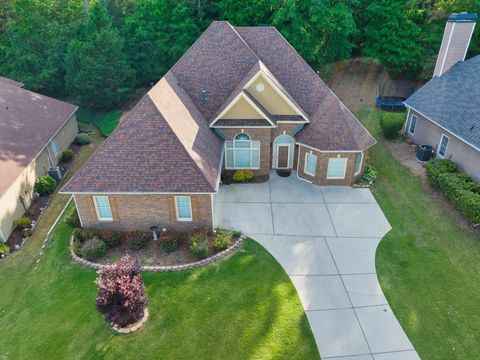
{"points": [[98, 52]]}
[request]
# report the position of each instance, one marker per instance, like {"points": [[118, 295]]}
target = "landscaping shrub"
{"points": [[4, 249], [93, 249], [72, 219], [67, 155], [23, 222], [223, 239], [436, 167], [138, 239], [451, 183], [236, 234], [121, 296], [45, 185], [82, 139], [391, 124], [111, 238], [369, 175], [198, 245], [83, 235], [242, 175], [468, 203], [77, 247]]}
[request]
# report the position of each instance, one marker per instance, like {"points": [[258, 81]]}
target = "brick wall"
{"points": [[139, 212], [320, 177]]}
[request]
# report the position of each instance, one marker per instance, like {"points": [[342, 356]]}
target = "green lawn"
{"points": [[244, 307], [106, 122], [428, 265]]}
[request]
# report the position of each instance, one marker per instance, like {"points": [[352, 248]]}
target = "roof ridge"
{"points": [[240, 36]]}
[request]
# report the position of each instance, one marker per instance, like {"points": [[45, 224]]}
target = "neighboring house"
{"points": [[445, 112], [34, 130], [239, 98]]}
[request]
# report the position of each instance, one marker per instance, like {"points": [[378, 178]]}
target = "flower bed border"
{"points": [[132, 327], [165, 268]]}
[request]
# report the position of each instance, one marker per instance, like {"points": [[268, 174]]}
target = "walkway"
{"points": [[325, 238]]}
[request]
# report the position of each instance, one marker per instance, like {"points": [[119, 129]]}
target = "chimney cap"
{"points": [[463, 17]]}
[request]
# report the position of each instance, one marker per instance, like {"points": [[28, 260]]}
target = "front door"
{"points": [[282, 160]]}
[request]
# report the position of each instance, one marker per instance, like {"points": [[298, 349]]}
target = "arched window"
{"points": [[242, 152]]}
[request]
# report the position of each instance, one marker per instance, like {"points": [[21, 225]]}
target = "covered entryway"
{"points": [[325, 237], [283, 149]]}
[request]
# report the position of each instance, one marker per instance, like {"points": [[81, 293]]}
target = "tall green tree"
{"points": [[393, 39], [157, 33], [98, 74]]}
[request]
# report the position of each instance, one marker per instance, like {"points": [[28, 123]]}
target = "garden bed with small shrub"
{"points": [[171, 248], [459, 188], [242, 176]]}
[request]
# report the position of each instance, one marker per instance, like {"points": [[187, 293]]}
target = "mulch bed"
{"points": [[18, 236], [227, 179]]}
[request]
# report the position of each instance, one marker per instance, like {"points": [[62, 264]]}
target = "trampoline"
{"points": [[392, 94]]}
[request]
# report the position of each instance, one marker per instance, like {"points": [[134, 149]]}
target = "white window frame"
{"points": [[413, 117], [55, 149], [250, 149], [354, 163], [189, 203], [99, 217], [305, 167], [344, 168], [440, 144]]}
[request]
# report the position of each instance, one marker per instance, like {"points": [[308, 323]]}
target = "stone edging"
{"points": [[164, 268], [362, 185], [133, 327]]}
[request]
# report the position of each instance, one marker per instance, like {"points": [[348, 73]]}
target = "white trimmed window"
{"points": [[54, 147], [183, 208], [413, 124], [242, 153], [442, 146], [336, 168], [310, 164], [102, 207], [358, 163]]}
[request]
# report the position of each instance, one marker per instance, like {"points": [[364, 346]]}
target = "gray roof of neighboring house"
{"points": [[453, 100]]}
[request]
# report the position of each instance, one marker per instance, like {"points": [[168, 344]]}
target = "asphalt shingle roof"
{"points": [[453, 100]]}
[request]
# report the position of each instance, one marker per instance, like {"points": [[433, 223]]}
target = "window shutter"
{"points": [[194, 202], [91, 208], [113, 206], [171, 208]]}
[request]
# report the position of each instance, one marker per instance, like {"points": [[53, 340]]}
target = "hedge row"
{"points": [[458, 187]]}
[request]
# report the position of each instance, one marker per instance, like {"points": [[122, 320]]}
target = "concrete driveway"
{"points": [[325, 238]]}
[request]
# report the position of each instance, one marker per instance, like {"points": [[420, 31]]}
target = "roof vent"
{"points": [[204, 95], [472, 127]]}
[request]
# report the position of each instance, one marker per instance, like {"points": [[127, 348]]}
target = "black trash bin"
{"points": [[424, 152]]}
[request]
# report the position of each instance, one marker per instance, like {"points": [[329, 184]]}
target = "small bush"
{"points": [[72, 219], [437, 167], [77, 247], [45, 185], [138, 239], [67, 155], [169, 240], [23, 222], [4, 249], [468, 203], [236, 234], [242, 175], [369, 175], [93, 249], [111, 238], [83, 235], [391, 124], [82, 139], [121, 296], [198, 245], [451, 183], [223, 239]]}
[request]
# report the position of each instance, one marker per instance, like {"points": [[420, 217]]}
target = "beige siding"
{"points": [[139, 212], [270, 98], [428, 133], [242, 110], [18, 197]]}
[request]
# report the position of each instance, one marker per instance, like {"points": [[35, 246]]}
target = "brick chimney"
{"points": [[456, 38]]}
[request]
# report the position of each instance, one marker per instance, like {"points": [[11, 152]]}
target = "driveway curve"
{"points": [[325, 238]]}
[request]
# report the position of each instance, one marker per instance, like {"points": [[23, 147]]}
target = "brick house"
{"points": [[34, 130], [239, 98], [444, 112]]}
